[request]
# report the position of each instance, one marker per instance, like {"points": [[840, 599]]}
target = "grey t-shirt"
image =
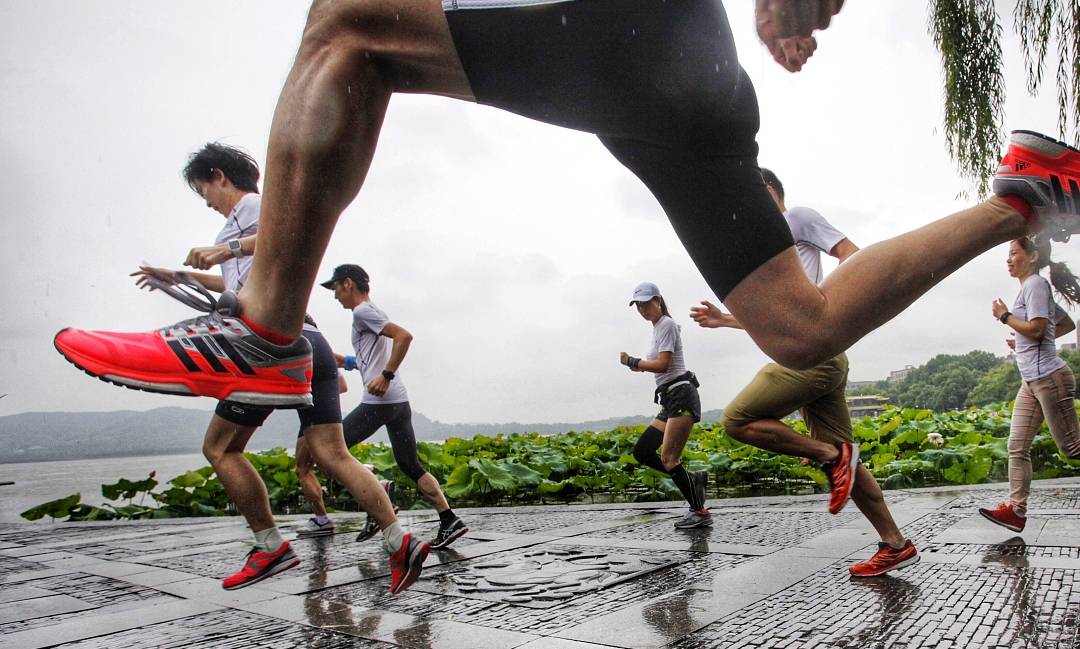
{"points": [[373, 351], [1036, 359], [813, 235], [666, 337], [243, 221]]}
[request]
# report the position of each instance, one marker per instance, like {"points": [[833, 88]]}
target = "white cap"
{"points": [[644, 292]]}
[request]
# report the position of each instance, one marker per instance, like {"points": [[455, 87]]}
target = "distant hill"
{"points": [[40, 436]]}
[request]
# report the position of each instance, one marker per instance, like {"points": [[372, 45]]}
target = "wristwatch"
{"points": [[235, 248], [388, 375], [1005, 316]]}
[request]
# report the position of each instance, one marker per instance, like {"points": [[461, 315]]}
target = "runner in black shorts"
{"points": [[680, 406], [380, 347], [660, 83]]}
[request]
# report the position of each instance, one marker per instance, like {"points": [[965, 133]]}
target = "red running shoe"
{"points": [[215, 355], [1005, 515], [842, 476], [1045, 173], [885, 559], [260, 565], [407, 562]]}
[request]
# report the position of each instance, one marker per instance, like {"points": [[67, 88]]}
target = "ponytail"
{"points": [[663, 304], [1063, 280]]}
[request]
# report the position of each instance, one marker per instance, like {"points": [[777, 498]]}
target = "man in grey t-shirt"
{"points": [[755, 415]]}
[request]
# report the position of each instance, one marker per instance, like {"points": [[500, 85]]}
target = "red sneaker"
{"points": [[1005, 515], [214, 355], [1045, 173], [842, 476], [885, 559], [260, 565], [407, 562]]}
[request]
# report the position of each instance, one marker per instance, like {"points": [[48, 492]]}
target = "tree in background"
{"points": [[968, 35]]}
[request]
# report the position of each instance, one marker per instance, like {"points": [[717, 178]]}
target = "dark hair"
{"points": [[236, 164], [772, 181], [663, 305], [1061, 278]]}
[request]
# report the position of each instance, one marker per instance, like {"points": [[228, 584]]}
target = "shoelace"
{"points": [[190, 292]]}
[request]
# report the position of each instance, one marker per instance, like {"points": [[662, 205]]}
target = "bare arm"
{"points": [[1064, 326], [843, 250], [211, 281], [206, 257], [658, 365], [710, 316], [401, 341]]}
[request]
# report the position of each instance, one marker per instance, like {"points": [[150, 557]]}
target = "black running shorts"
{"points": [[660, 83], [325, 391]]}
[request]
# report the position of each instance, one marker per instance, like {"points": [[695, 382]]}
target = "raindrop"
{"points": [[633, 32], [564, 20]]}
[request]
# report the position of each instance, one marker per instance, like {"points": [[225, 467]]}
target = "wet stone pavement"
{"points": [[770, 572]]}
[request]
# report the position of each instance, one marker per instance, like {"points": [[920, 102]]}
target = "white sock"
{"points": [[269, 539], [393, 536], [322, 519]]}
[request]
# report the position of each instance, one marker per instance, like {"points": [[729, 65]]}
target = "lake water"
{"points": [[38, 482]]}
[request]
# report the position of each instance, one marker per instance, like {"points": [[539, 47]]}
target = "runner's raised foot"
{"points": [[407, 562], [214, 355], [1045, 173], [1006, 516], [841, 474]]}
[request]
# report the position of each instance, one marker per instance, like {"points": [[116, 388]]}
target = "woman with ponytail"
{"points": [[680, 405], [1048, 387]]}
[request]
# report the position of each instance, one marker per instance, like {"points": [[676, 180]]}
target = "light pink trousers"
{"points": [[1050, 398]]}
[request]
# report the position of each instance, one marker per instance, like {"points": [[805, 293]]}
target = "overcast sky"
{"points": [[508, 247]]}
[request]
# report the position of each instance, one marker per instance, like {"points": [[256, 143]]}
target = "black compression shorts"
{"points": [[325, 391], [660, 83]]}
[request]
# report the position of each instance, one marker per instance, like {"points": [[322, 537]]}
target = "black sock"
{"points": [[446, 517], [682, 480], [647, 446]]}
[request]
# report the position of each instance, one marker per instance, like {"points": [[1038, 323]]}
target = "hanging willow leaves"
{"points": [[968, 36]]}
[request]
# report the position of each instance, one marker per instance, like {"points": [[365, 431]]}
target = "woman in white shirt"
{"points": [[1048, 387]]}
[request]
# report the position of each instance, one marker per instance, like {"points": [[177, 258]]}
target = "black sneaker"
{"points": [[694, 518], [371, 528], [449, 533]]}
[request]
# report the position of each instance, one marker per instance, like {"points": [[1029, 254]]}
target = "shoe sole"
{"points": [[306, 535], [903, 564], [453, 537], [281, 567], [282, 401], [853, 466], [995, 521], [416, 565]]}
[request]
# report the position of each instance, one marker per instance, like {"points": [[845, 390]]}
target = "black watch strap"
{"points": [[388, 375]]}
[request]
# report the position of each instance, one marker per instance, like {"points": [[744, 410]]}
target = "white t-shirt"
{"points": [[1036, 359], [813, 235], [243, 221], [667, 337], [373, 351]]}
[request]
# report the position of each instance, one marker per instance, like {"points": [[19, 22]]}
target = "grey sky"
{"points": [[509, 248]]}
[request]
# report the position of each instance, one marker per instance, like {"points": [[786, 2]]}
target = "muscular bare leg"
{"points": [[223, 447], [353, 55], [429, 489], [800, 325], [327, 445], [309, 482]]}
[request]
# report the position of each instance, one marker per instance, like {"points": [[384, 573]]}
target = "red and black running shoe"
{"points": [[885, 559], [842, 476], [1046, 174], [1005, 515], [214, 355], [407, 562], [259, 565]]}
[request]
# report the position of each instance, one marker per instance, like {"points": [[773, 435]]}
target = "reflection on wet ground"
{"points": [[771, 572]]}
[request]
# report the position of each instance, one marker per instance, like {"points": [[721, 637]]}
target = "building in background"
{"points": [[869, 405]]}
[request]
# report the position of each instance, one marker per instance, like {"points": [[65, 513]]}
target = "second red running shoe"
{"points": [[1046, 174], [407, 562], [885, 559], [214, 355], [1005, 515], [260, 564], [842, 476]]}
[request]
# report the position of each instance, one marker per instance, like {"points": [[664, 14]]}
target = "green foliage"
{"points": [[902, 448], [968, 36]]}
